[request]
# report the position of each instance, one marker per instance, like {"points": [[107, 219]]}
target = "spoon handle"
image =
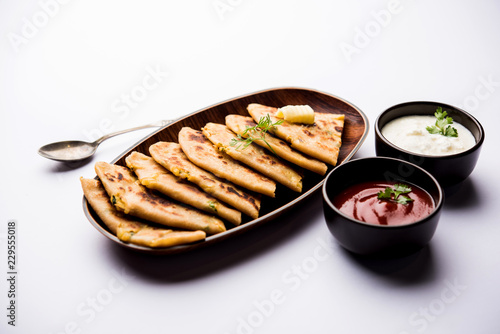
{"points": [[155, 124]]}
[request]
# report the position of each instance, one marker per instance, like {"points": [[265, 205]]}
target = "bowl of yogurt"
{"points": [[442, 139]]}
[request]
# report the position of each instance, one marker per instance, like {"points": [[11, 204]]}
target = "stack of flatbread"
{"points": [[182, 192]]}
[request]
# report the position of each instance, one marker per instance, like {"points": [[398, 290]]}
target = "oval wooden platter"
{"points": [[354, 133]]}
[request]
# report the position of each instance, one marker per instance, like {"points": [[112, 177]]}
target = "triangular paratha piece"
{"points": [[154, 176], [321, 140], [202, 153], [170, 156], [253, 156], [239, 123], [129, 196], [131, 230]]}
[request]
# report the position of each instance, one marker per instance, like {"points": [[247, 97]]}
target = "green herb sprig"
{"points": [[211, 205], [396, 194], [442, 125], [264, 125]]}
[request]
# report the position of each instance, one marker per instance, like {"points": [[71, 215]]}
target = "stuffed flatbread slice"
{"points": [[239, 123], [129, 196], [154, 176], [253, 156], [322, 140], [170, 156], [202, 153], [129, 229]]}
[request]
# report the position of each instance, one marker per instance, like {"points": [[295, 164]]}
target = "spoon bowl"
{"points": [[71, 150], [75, 150]]}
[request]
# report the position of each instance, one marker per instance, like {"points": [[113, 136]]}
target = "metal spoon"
{"points": [[74, 150]]}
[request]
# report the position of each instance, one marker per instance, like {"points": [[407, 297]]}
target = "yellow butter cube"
{"points": [[296, 114]]}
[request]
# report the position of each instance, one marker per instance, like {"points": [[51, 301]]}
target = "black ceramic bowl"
{"points": [[449, 170], [380, 240]]}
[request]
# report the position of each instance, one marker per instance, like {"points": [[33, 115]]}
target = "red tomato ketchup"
{"points": [[361, 202]]}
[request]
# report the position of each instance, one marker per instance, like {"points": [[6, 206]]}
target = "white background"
{"points": [[65, 69]]}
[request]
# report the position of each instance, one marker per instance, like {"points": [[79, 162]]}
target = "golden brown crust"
{"points": [[202, 153], [239, 123], [129, 196], [322, 140], [170, 156], [154, 176], [128, 229], [253, 156]]}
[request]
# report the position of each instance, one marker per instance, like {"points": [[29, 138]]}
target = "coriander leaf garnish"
{"points": [[442, 125], [396, 194], [245, 138], [386, 194], [451, 132], [211, 205]]}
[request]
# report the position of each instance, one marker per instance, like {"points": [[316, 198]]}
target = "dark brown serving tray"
{"points": [[355, 132]]}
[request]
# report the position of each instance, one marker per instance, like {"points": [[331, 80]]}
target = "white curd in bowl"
{"points": [[409, 133]]}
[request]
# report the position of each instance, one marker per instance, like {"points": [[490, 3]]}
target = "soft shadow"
{"points": [[61, 167], [225, 254], [416, 268], [463, 196]]}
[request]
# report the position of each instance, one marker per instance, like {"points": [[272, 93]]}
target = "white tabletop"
{"points": [[78, 69]]}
